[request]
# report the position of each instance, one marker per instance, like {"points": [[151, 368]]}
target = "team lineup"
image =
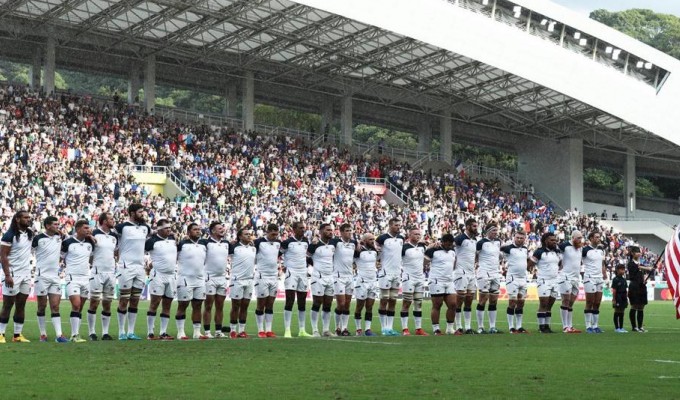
{"points": [[202, 271]]}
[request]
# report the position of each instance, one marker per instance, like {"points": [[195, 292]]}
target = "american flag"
{"points": [[672, 259]]}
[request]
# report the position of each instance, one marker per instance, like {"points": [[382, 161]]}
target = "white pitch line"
{"points": [[668, 377], [667, 361], [362, 341]]}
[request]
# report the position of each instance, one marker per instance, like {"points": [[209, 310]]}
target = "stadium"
{"points": [[560, 92]]}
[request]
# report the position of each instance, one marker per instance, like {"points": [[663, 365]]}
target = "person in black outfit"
{"points": [[619, 298], [637, 290]]}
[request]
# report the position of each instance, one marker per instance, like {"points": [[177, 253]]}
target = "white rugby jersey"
{"points": [[412, 257], [441, 263], [390, 254], [489, 256], [571, 260], [366, 260], [592, 260], [267, 258], [20, 253], [547, 263], [163, 253], [47, 254], [242, 261], [191, 259], [77, 256], [295, 255], [104, 258], [343, 259], [216, 258], [131, 241], [516, 261], [322, 257], [466, 250]]}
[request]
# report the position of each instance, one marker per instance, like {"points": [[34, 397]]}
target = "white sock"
{"points": [[390, 321], [197, 329], [91, 323], [302, 320], [75, 325], [41, 325], [345, 322], [357, 323], [180, 327], [450, 327], [468, 319], [588, 317], [480, 318], [131, 318], [241, 327], [268, 320], [287, 318], [596, 320], [326, 320], [18, 327], [419, 322], [570, 318], [338, 320], [459, 320], [259, 320], [150, 322], [121, 323], [3, 328], [56, 322], [518, 320], [367, 324], [383, 321], [565, 317], [404, 322], [315, 321], [106, 322], [435, 327], [492, 318], [164, 324], [511, 321], [541, 320]]}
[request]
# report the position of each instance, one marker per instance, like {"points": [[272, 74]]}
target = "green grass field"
{"points": [[475, 366]]}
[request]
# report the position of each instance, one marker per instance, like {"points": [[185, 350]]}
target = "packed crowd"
{"points": [[71, 157]]}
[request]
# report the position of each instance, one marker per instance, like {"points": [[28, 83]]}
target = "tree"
{"points": [[661, 31]]}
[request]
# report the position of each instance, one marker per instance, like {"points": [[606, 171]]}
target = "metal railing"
{"points": [[170, 174], [388, 185], [640, 219]]}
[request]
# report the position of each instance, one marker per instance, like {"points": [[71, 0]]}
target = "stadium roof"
{"points": [[301, 46]]}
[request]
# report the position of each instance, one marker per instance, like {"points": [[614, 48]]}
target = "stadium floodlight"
{"points": [[517, 10], [648, 65], [485, 2], [551, 26], [583, 42], [609, 50], [640, 64], [615, 54], [577, 35], [544, 21]]}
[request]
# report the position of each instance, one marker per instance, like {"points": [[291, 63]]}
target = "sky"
{"points": [[586, 6]]}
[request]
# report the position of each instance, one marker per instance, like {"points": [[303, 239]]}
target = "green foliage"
{"points": [[376, 135], [275, 116], [604, 179], [661, 31], [485, 156]]}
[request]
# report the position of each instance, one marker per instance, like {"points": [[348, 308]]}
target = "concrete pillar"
{"points": [[50, 64], [445, 133], [326, 114], [248, 101], [346, 127], [555, 169], [134, 83], [150, 84], [36, 69], [230, 100], [424, 136], [629, 185]]}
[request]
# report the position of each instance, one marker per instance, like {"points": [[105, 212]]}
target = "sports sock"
{"points": [[588, 314], [616, 321], [233, 326], [121, 322], [404, 319], [640, 318], [150, 322], [75, 323], [3, 325], [165, 319], [206, 329], [268, 320], [345, 320], [338, 319], [302, 320], [435, 327], [241, 325], [450, 326], [287, 318], [511, 318], [519, 316], [480, 316], [541, 319], [382, 315], [596, 318], [357, 321], [548, 318], [259, 320], [131, 319], [570, 317], [56, 323], [492, 315], [18, 325], [179, 321], [326, 320], [368, 318], [564, 313], [106, 322], [633, 318], [197, 328], [91, 322], [389, 319], [418, 318], [41, 324], [468, 318], [315, 320]]}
